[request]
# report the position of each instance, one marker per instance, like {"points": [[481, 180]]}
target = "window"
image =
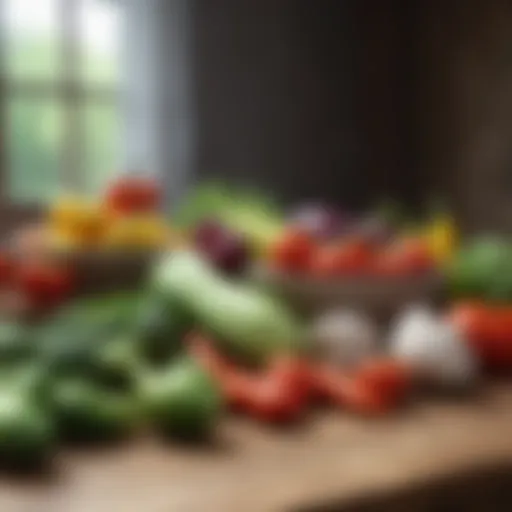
{"points": [[60, 77]]}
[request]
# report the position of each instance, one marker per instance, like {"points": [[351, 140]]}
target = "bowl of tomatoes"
{"points": [[380, 277]]}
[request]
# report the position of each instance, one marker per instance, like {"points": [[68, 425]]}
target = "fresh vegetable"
{"points": [[293, 251], [16, 344], [227, 250], [71, 343], [86, 411], [499, 287], [46, 284], [433, 348], [441, 235], [345, 337], [280, 393], [138, 231], [390, 378], [347, 392], [322, 222], [251, 323], [277, 394], [27, 432], [6, 268], [135, 193], [160, 327], [478, 267], [77, 219], [488, 330], [182, 400], [251, 214], [351, 257], [269, 401], [407, 256]]}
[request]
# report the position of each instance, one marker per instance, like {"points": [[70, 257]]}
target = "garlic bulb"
{"points": [[433, 347], [344, 336]]}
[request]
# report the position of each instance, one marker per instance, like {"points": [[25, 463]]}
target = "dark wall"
{"points": [[303, 97]]}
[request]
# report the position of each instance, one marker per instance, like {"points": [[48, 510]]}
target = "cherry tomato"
{"points": [[389, 378], [348, 392], [406, 257], [293, 373], [133, 194], [45, 284], [324, 263], [353, 257], [293, 251], [270, 401]]}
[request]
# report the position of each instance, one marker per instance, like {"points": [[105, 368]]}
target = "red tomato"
{"points": [[347, 258], [203, 350], [270, 401], [236, 384], [133, 194], [6, 269], [353, 257], [348, 392], [405, 257], [324, 262], [44, 284], [488, 330], [292, 373], [293, 251], [389, 378]]}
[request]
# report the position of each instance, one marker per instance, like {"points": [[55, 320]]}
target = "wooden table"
{"points": [[423, 459]]}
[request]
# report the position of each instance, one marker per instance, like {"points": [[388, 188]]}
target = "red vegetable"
{"points": [[390, 379], [292, 372], [351, 257], [347, 392], [269, 400], [133, 194], [45, 284], [488, 329], [293, 251], [233, 381], [6, 269], [405, 257]]}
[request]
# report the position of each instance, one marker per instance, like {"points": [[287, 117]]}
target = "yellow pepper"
{"points": [[77, 219], [137, 232], [442, 236]]}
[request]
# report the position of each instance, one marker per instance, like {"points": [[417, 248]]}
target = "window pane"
{"points": [[100, 33], [102, 133], [33, 143], [31, 34]]}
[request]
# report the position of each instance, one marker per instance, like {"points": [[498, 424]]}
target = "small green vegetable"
{"points": [[15, 343], [182, 401], [160, 328], [85, 411], [479, 267], [27, 431]]}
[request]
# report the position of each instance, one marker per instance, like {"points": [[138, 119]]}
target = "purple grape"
{"points": [[230, 255], [208, 233], [226, 250]]}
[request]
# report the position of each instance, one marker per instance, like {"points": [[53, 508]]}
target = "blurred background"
{"points": [[344, 100]]}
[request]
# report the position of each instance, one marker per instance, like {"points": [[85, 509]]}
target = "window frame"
{"points": [[70, 89]]}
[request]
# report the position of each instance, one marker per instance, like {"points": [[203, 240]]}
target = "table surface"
{"points": [[332, 458]]}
